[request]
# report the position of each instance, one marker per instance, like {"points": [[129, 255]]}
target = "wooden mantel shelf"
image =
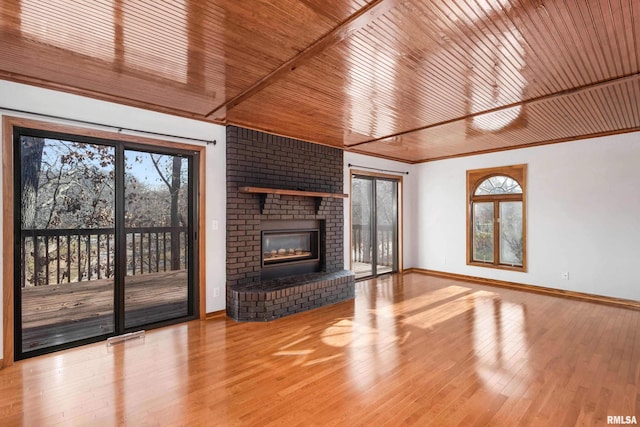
{"points": [[264, 192]]}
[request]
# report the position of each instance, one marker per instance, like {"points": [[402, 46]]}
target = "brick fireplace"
{"points": [[259, 288]]}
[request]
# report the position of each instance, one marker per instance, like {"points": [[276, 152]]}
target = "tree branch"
{"points": [[155, 164]]}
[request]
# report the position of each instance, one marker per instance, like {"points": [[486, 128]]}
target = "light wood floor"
{"points": [[412, 350]]}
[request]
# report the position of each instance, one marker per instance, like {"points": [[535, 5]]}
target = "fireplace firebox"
{"points": [[290, 248]]}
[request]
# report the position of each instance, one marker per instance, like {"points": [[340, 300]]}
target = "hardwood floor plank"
{"points": [[409, 350]]}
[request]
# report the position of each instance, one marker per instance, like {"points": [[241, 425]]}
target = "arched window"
{"points": [[496, 217]]}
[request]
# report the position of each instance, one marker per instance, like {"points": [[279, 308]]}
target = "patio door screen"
{"points": [[374, 225], [105, 236]]}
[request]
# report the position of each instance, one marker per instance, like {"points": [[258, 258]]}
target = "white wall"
{"points": [[409, 208], [41, 101], [583, 215]]}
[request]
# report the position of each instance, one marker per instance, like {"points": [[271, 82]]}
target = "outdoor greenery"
{"points": [[510, 232], [483, 232], [497, 198]]}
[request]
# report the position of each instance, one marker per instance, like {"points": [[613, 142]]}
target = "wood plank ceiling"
{"points": [[413, 80]]}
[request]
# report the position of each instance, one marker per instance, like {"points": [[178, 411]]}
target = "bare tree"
{"points": [[173, 183], [32, 148], [31, 161]]}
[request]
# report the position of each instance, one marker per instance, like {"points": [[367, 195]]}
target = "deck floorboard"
{"points": [[56, 314]]}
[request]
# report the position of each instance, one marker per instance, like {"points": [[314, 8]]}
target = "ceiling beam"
{"points": [[562, 93], [354, 23]]}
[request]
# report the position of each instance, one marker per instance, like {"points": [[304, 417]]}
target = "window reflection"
{"points": [[156, 42], [496, 64], [371, 76], [471, 11], [496, 80], [372, 334], [154, 39], [500, 343], [83, 27]]}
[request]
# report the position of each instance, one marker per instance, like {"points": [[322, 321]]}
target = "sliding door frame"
{"points": [[8, 209], [354, 173]]}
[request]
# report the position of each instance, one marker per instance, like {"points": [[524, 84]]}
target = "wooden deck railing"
{"points": [[64, 256], [361, 244]]}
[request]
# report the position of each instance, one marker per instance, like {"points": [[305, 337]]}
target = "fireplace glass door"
{"points": [[281, 247], [289, 248]]}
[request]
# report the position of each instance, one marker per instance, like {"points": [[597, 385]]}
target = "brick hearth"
{"points": [[272, 299]]}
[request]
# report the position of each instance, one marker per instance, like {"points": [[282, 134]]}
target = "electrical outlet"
{"points": [[565, 275], [216, 292]]}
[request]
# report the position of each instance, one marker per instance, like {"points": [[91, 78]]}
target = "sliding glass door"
{"points": [[66, 227], [374, 225], [105, 241], [156, 225]]}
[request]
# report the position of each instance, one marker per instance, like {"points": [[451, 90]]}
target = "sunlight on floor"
{"points": [[376, 333], [430, 318], [376, 329], [423, 301]]}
